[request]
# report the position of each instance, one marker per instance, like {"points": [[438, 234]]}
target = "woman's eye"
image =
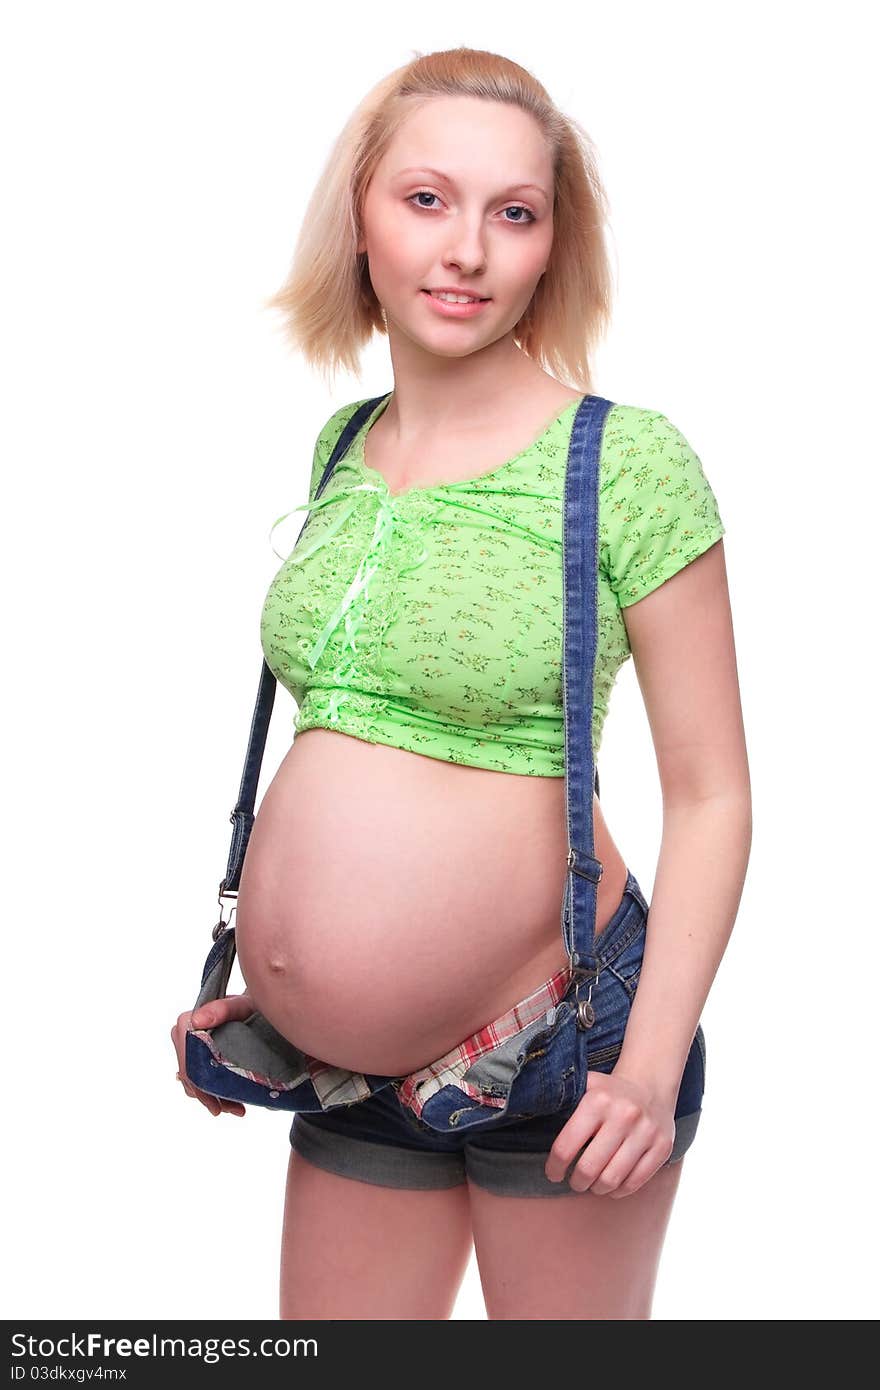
{"points": [[517, 207], [513, 207]]}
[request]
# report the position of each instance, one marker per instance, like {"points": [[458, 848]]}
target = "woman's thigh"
{"points": [[577, 1256], [353, 1249]]}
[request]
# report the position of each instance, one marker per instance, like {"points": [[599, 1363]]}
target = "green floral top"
{"points": [[431, 619]]}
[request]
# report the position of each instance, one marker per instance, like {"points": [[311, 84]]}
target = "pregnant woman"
{"points": [[399, 906]]}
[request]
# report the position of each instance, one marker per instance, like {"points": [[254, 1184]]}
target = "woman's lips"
{"points": [[455, 311]]}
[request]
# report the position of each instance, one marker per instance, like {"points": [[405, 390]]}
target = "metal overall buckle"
{"points": [[230, 897], [592, 869], [586, 1014]]}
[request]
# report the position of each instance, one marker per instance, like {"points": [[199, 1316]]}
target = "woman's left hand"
{"points": [[631, 1131]]}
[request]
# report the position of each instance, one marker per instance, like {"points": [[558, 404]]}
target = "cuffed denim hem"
{"points": [[503, 1172], [685, 1131], [386, 1165]]}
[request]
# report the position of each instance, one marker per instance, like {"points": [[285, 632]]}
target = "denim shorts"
{"points": [[388, 1141]]}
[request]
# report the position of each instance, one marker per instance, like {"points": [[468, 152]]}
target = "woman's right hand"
{"points": [[239, 1006]]}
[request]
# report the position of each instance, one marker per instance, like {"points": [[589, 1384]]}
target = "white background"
{"points": [[157, 161]]}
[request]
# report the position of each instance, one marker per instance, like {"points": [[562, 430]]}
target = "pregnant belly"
{"points": [[392, 904]]}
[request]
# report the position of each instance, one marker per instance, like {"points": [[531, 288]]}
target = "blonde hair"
{"points": [[328, 304]]}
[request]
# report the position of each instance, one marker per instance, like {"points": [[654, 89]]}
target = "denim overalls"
{"points": [[533, 1061]]}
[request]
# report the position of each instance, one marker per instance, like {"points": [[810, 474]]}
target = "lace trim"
{"points": [[392, 519]]}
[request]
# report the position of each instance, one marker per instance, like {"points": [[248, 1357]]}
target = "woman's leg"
{"points": [[353, 1249], [575, 1256]]}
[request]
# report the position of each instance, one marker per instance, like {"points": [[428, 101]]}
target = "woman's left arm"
{"points": [[681, 636]]}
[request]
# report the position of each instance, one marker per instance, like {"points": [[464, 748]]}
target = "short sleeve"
{"points": [[326, 442], [657, 511]]}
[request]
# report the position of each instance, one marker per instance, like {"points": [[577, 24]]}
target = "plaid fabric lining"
{"points": [[338, 1086], [416, 1089]]}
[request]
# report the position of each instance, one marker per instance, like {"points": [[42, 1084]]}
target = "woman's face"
{"points": [[463, 197]]}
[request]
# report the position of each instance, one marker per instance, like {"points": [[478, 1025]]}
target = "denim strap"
{"points": [[580, 559]]}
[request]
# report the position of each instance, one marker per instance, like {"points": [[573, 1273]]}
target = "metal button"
{"points": [[586, 1015]]}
